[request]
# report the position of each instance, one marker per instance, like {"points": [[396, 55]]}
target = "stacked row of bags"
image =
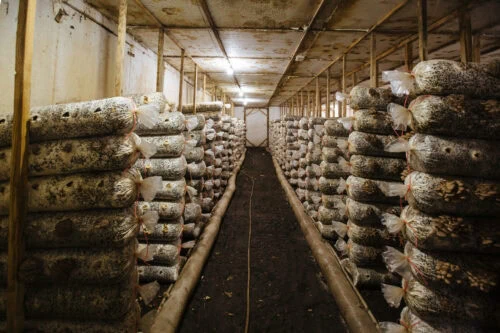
{"points": [[450, 263], [294, 150], [371, 171], [79, 267], [302, 141], [312, 169], [277, 144]]}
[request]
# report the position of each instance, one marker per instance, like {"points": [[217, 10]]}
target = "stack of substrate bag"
{"points": [[302, 141], [294, 150], [451, 262], [79, 267], [208, 109], [226, 158], [332, 211], [236, 138], [313, 169], [160, 243], [196, 169], [372, 170], [277, 145], [208, 192]]}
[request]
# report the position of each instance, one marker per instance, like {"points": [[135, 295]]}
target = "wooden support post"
{"points": [[293, 108], [408, 57], [344, 90], [19, 163], [160, 66], [302, 112], [181, 80], [267, 124], [318, 101], [373, 61], [354, 78], [204, 87], [309, 103], [328, 91], [422, 29], [465, 35], [120, 47], [214, 91], [299, 110], [476, 48], [195, 87]]}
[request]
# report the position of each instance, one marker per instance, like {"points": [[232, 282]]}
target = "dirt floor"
{"points": [[287, 293]]}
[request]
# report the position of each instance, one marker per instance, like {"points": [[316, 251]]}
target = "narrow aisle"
{"points": [[286, 293]]}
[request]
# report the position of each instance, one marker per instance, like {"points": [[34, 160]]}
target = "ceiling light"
{"points": [[245, 102], [229, 71], [241, 93], [227, 105]]}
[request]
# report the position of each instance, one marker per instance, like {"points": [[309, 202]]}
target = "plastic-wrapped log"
{"points": [[75, 156], [167, 146], [410, 320], [196, 170], [375, 122], [333, 170], [370, 98], [456, 115], [80, 302], [172, 190], [333, 201], [314, 170], [432, 305], [166, 210], [371, 236], [335, 129], [111, 116], [163, 232], [314, 156], [327, 216], [453, 195], [207, 204], [197, 184], [327, 231], [464, 157], [77, 266], [445, 77], [192, 213], [225, 175], [462, 273], [217, 172], [195, 122], [369, 190], [163, 254], [6, 130], [369, 278], [369, 214], [191, 230], [204, 107], [157, 98], [384, 168], [451, 233], [128, 324], [76, 192], [364, 256], [162, 274], [332, 155], [90, 228], [329, 186], [194, 154], [371, 144], [332, 141], [170, 123], [168, 168]]}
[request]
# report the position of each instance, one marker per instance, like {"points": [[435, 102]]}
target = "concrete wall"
{"points": [[74, 60]]}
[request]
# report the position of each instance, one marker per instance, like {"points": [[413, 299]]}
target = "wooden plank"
{"points": [[354, 78], [302, 113], [204, 87], [317, 110], [19, 163], [160, 67], [120, 47], [299, 111], [267, 124], [293, 107], [328, 92], [373, 61], [309, 103], [195, 87], [476, 48], [344, 103], [181, 80], [465, 28], [422, 29], [408, 57]]}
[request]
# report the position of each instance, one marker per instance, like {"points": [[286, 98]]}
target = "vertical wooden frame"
{"points": [[160, 66], [181, 80], [120, 47], [422, 29]]}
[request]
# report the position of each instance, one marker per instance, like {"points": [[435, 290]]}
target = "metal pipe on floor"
{"points": [[352, 307], [171, 311]]}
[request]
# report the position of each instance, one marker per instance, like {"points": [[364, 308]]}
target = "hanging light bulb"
{"points": [[245, 102], [241, 91]]}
